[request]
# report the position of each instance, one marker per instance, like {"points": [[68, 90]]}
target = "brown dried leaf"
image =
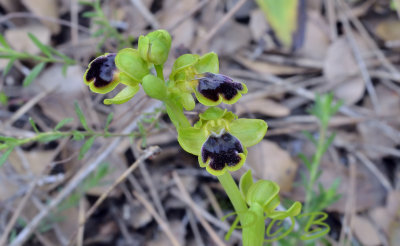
{"points": [[263, 106], [316, 40], [19, 40], [59, 104], [269, 68], [258, 25], [269, 161], [365, 231], [230, 38], [388, 30], [38, 160], [340, 67], [46, 8]]}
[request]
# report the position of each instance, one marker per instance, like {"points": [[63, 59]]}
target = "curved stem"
{"points": [[234, 194]]}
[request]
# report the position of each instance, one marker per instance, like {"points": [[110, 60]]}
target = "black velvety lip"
{"points": [[222, 150], [101, 70], [212, 85]]}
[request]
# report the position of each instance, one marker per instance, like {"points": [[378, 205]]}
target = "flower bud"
{"points": [[154, 47]]}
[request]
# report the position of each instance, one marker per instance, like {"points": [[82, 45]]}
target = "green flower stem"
{"points": [[254, 226], [175, 113], [159, 70], [252, 220], [314, 167]]}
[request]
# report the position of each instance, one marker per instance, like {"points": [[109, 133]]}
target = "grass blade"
{"points": [[33, 74]]}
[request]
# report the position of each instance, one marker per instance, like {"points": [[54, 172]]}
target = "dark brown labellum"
{"points": [[213, 85], [222, 150], [102, 70]]}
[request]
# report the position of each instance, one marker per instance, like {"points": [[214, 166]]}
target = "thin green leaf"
{"points": [[98, 33], [64, 70], [62, 123], [33, 125], [58, 53], [40, 45], [50, 137], [8, 139], [85, 3], [89, 14], [33, 74], [77, 135], [86, 146], [4, 42], [108, 122], [310, 137], [329, 142], [8, 67], [5, 155], [305, 160], [81, 116], [3, 98]]}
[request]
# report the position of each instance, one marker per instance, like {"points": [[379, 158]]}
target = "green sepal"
{"points": [[207, 63], [123, 96], [187, 101], [192, 139], [154, 87], [130, 63], [154, 47], [182, 62], [248, 131], [265, 193], [246, 181]]}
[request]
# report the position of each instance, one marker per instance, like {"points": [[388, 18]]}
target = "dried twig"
{"points": [[224, 19], [75, 181], [146, 154], [146, 13], [203, 222], [157, 217]]}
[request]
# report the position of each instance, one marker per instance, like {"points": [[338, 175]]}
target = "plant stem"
{"points": [[159, 70], [315, 166], [234, 194]]}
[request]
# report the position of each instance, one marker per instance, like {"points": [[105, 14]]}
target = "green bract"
{"points": [[265, 193], [154, 87], [220, 140], [154, 47]]}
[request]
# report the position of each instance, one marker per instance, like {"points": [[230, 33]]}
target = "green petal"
{"points": [[123, 96], [184, 61], [208, 63], [213, 113], [129, 61], [248, 131], [187, 101], [191, 139]]}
